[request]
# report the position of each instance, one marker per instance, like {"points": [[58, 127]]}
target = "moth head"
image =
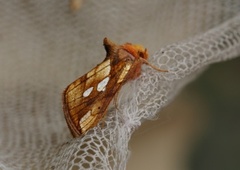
{"points": [[138, 51]]}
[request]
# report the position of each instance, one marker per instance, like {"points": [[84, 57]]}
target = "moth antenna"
{"points": [[153, 66]]}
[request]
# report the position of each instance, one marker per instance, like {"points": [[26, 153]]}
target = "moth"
{"points": [[85, 101]]}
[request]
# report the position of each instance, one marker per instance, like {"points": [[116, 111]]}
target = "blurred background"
{"points": [[199, 130]]}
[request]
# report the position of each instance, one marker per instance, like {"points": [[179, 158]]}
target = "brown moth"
{"points": [[85, 101]]}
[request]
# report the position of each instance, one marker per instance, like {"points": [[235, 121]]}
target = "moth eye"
{"points": [[99, 107], [140, 54]]}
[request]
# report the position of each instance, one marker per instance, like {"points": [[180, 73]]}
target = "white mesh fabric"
{"points": [[44, 47]]}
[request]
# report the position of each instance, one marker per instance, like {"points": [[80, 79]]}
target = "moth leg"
{"points": [[153, 66], [102, 122], [115, 100]]}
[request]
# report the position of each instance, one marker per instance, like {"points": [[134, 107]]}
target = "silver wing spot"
{"points": [[88, 92], [102, 84]]}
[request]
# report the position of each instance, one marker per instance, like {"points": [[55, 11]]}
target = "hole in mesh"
{"points": [[214, 49], [111, 159], [225, 44], [193, 52], [205, 46], [170, 54], [77, 160], [199, 49], [177, 50], [231, 41], [102, 149], [97, 159], [186, 54], [189, 65], [84, 146], [195, 62], [86, 165], [75, 167], [179, 58], [220, 47], [172, 63], [88, 158], [201, 57], [80, 152], [98, 143], [87, 140], [212, 43], [208, 54], [90, 151], [182, 66], [163, 59]]}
